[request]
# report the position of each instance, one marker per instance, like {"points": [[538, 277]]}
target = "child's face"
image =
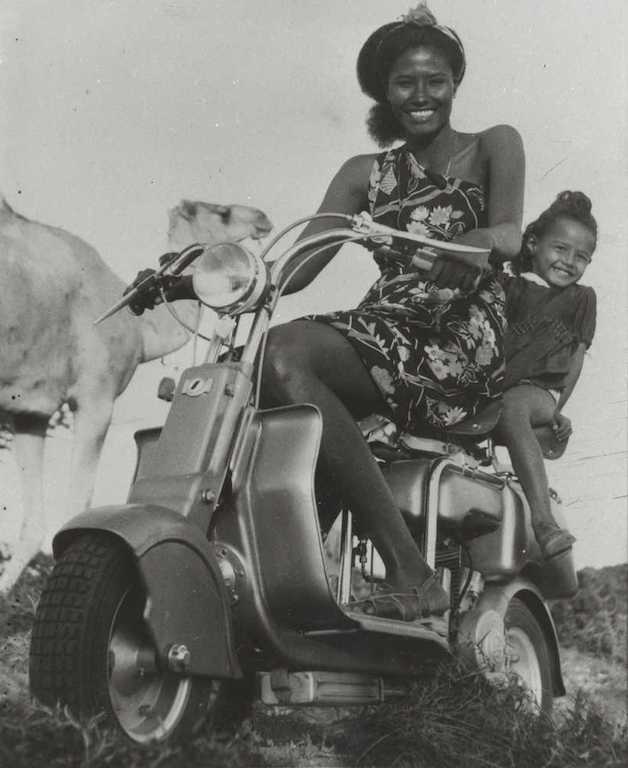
{"points": [[562, 254]]}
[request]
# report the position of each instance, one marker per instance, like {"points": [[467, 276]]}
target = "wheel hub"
{"points": [[147, 698], [130, 663]]}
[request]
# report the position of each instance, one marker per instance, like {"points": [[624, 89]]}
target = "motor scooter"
{"points": [[212, 585]]}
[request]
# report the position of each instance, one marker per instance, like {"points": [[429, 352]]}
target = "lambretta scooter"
{"points": [[212, 583]]}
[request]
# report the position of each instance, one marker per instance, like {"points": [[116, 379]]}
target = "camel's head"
{"points": [[197, 222]]}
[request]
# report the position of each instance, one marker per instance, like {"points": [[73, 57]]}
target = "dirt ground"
{"points": [[605, 682]]}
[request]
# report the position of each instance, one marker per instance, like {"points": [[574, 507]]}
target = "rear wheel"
{"points": [[527, 655], [91, 650]]}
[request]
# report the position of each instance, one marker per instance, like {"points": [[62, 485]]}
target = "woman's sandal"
{"points": [[428, 599], [554, 542]]}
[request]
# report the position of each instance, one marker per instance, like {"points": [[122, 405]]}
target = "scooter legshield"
{"points": [[187, 602]]}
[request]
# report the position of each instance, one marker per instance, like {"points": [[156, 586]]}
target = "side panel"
{"points": [[511, 549], [187, 601], [504, 552], [518, 551], [458, 492]]}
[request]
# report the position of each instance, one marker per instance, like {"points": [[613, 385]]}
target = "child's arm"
{"points": [[562, 425], [572, 377]]}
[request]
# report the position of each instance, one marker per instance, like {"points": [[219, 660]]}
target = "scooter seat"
{"points": [[479, 425], [429, 439]]}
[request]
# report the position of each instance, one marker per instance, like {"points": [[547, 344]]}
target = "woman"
{"points": [[422, 351]]}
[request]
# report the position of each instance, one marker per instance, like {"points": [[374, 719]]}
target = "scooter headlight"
{"points": [[229, 279]]}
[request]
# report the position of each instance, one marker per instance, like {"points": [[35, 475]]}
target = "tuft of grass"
{"points": [[458, 719], [17, 610], [595, 620]]}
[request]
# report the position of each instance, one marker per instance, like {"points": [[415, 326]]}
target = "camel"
{"points": [[53, 286]]}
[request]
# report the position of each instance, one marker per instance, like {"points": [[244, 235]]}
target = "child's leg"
{"points": [[527, 406]]}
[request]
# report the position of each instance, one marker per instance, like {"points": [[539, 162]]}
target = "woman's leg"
{"points": [[311, 362], [527, 406]]}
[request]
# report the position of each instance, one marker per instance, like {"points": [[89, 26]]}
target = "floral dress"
{"points": [[435, 354]]}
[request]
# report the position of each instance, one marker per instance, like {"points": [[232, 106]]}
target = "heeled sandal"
{"points": [[428, 599], [554, 542]]}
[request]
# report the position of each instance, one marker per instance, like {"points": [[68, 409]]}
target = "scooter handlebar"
{"points": [[172, 267], [362, 228]]}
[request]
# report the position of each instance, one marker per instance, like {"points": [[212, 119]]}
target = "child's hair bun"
{"points": [[575, 203]]}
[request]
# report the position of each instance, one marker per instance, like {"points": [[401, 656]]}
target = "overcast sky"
{"points": [[114, 110]]}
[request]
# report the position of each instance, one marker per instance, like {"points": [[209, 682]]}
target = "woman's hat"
{"points": [[387, 42]]}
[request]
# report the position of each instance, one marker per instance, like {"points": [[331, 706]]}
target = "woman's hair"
{"points": [[378, 54], [382, 125], [568, 205]]}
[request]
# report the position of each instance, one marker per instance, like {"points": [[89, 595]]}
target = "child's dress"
{"points": [[435, 355], [545, 327]]}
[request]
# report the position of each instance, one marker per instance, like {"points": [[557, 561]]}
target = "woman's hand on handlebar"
{"points": [[450, 273], [147, 287], [151, 286]]}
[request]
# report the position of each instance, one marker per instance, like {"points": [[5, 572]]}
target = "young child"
{"points": [[551, 322]]}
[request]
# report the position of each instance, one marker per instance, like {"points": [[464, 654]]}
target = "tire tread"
{"points": [[64, 607]]}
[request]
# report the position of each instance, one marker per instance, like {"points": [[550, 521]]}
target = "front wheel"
{"points": [[90, 649], [527, 656]]}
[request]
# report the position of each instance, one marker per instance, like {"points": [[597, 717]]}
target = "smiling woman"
{"points": [[423, 350], [410, 69]]}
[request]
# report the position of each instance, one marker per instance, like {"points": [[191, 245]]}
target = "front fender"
{"points": [[497, 597], [187, 602]]}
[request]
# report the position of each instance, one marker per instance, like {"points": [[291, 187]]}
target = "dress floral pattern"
{"points": [[435, 354]]}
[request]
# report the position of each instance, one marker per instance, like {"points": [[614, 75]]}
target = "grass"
{"points": [[595, 620], [34, 737], [459, 720], [453, 720]]}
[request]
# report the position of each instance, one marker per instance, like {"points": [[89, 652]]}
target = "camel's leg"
{"points": [[7, 433], [90, 428], [30, 432]]}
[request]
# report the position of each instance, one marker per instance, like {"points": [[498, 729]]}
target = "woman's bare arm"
{"points": [[505, 159], [347, 193]]}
